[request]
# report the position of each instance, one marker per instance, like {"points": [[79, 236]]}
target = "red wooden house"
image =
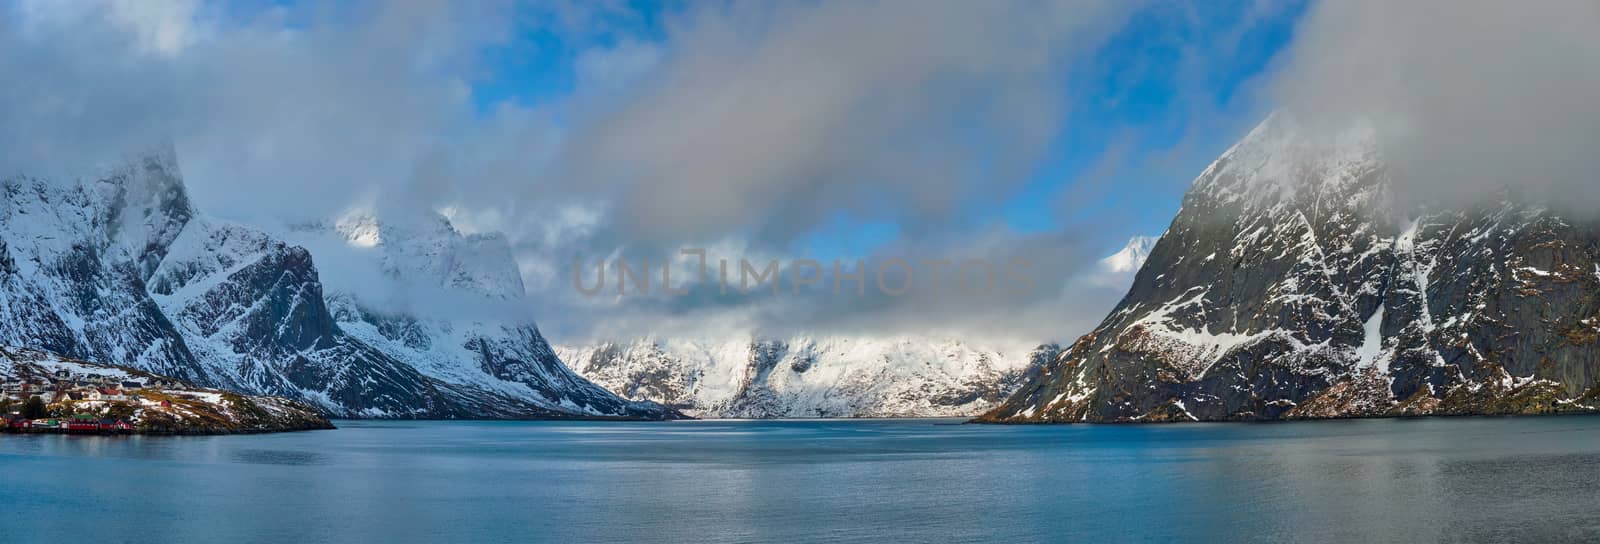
{"points": [[83, 423]]}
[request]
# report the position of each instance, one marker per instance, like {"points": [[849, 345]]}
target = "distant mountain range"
{"points": [[809, 377], [804, 376], [1293, 284]]}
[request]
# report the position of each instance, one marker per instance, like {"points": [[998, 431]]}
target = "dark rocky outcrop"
{"points": [[1293, 285]]}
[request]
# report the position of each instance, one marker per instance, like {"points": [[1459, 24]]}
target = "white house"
{"points": [[107, 394]]}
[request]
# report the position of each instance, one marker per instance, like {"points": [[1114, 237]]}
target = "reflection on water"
{"points": [[277, 457], [858, 481]]}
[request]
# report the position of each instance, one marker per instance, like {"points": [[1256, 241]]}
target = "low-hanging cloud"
{"points": [[1469, 97], [988, 285]]}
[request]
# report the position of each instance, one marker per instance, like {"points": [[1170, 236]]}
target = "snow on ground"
{"points": [[1371, 350], [804, 376]]}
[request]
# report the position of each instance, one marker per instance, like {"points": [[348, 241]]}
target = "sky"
{"points": [[1047, 132]]}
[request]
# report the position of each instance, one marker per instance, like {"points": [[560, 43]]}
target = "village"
{"points": [[41, 392], [64, 402]]}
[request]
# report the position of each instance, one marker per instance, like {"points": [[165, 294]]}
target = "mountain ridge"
{"points": [[749, 375], [805, 376], [122, 269], [1291, 284]]}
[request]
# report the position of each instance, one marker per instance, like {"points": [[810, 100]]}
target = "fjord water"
{"points": [[792, 481]]}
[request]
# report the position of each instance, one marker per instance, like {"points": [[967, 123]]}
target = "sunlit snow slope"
{"points": [[122, 269]]}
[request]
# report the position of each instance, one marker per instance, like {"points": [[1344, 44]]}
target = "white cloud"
{"points": [[1470, 96], [769, 118], [746, 125], [163, 27], [611, 69]]}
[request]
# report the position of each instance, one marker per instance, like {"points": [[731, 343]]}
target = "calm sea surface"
{"points": [[1491, 479]]}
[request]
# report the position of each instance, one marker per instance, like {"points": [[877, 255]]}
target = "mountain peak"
{"points": [[1284, 289], [428, 248], [118, 267], [1131, 256], [1285, 154]]}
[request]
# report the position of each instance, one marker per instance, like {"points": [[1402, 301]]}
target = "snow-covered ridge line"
{"points": [[746, 375], [426, 249], [122, 269], [807, 377]]}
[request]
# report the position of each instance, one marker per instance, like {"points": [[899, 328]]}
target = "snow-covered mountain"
{"points": [[807, 377], [428, 250], [73, 263], [1130, 257], [450, 304], [752, 376], [123, 270], [1291, 284]]}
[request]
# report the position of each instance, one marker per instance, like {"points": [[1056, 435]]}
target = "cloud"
{"points": [[273, 113], [770, 119], [153, 27], [613, 69], [989, 284], [740, 127], [1469, 97]]}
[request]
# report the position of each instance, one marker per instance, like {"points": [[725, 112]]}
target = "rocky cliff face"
{"points": [[123, 270], [1291, 285], [76, 260], [810, 377], [451, 305]]}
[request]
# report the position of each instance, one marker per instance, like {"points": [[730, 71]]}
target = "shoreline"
{"points": [[183, 432], [981, 421]]}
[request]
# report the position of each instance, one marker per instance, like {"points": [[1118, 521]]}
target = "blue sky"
{"points": [[1163, 97], [537, 65]]}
